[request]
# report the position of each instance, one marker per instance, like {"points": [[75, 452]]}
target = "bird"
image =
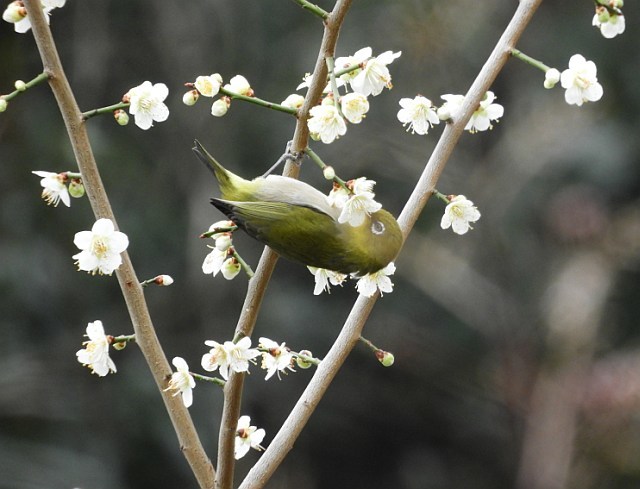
{"points": [[298, 222]]}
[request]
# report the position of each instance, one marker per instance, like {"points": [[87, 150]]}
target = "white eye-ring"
{"points": [[377, 227]]}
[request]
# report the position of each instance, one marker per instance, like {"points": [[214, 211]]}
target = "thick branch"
{"points": [[258, 284], [285, 438], [131, 289]]}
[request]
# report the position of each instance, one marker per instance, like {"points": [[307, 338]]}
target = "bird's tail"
{"points": [[223, 175]]}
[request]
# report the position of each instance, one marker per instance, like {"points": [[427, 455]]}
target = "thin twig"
{"points": [[258, 284], [131, 290], [290, 430]]}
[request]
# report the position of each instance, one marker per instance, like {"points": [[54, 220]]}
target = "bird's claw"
{"points": [[295, 158]]}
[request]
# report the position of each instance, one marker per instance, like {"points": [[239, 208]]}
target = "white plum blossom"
{"points": [[53, 188], [209, 86], [100, 248], [277, 359], [147, 104], [610, 24], [213, 261], [182, 382], [418, 113], [360, 57], [354, 107], [451, 107], [95, 354], [487, 112], [325, 278], [458, 215], [240, 354], [580, 81], [551, 78], [375, 75], [306, 82], [247, 437], [370, 283], [480, 120], [16, 13], [229, 356], [240, 85], [360, 203], [326, 123], [338, 196], [217, 358]]}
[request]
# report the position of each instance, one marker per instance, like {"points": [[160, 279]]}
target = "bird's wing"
{"points": [[265, 213], [277, 222]]}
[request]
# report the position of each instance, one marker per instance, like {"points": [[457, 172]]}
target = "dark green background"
{"points": [[468, 320]]}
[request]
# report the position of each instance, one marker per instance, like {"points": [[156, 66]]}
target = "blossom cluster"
{"points": [[419, 114], [95, 355], [367, 76], [236, 357], [222, 257], [211, 85], [579, 80]]}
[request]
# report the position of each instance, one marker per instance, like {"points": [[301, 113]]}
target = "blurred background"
{"points": [[517, 345]]}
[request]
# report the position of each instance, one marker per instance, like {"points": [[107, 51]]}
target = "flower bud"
{"points": [[602, 14], [329, 172], [328, 100], [3, 104], [239, 84], [191, 97], [121, 117], [14, 12], [221, 224], [119, 345], [223, 241], [163, 280], [230, 268], [301, 362], [220, 107], [385, 358], [76, 188], [444, 114], [293, 101], [551, 78], [20, 85]]}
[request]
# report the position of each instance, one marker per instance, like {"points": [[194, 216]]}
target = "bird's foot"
{"points": [[288, 155]]}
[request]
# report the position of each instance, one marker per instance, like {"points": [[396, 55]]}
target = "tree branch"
{"points": [[131, 290], [258, 284], [290, 430]]}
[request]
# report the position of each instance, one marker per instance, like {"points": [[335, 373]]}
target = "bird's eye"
{"points": [[377, 227]]}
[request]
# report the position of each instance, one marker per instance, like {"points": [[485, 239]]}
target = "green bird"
{"points": [[297, 221]]}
